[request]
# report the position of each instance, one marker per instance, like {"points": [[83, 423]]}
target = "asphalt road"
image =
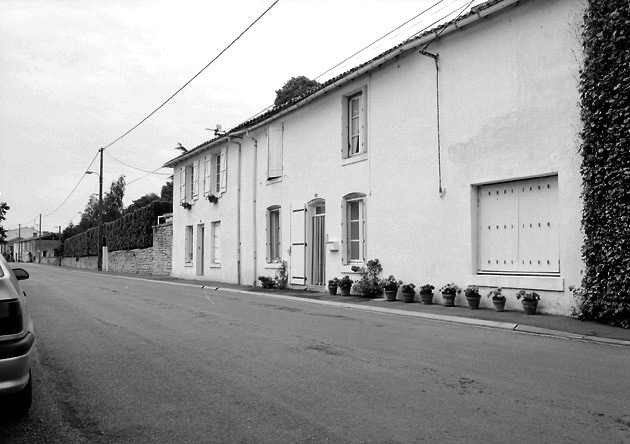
{"points": [[130, 361]]}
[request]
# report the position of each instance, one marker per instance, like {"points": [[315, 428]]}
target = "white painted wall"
{"points": [[508, 110]]}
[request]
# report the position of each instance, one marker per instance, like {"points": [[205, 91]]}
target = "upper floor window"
{"points": [[275, 136], [354, 124], [215, 173], [189, 182], [518, 227]]}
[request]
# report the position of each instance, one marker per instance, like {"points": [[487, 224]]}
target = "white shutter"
{"points": [[207, 171], [274, 160], [498, 227], [298, 245], [363, 122], [195, 180], [182, 184], [223, 169]]}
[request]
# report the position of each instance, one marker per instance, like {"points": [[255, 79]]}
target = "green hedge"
{"points": [[134, 230], [605, 111]]}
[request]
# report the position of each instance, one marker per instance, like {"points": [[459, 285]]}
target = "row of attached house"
{"points": [[453, 162]]}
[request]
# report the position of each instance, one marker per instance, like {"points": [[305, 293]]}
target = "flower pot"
{"points": [[473, 302], [332, 289], [390, 295], [426, 298], [529, 307], [345, 291], [409, 297], [499, 304], [449, 300]]}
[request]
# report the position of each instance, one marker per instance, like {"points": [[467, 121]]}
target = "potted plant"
{"points": [[408, 292], [369, 286], [529, 300], [472, 296], [186, 205], [426, 294], [390, 285], [333, 284], [449, 291], [497, 299], [345, 284], [212, 198]]}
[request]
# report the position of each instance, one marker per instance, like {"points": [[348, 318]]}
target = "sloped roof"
{"points": [[489, 7]]}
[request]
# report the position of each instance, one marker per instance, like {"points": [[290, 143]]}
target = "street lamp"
{"points": [[100, 215]]}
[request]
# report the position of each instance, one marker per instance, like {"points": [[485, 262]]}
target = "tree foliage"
{"points": [[293, 88], [605, 169]]}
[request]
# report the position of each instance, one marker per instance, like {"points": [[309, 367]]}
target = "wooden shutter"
{"points": [[182, 184], [207, 174], [298, 245], [195, 180], [274, 160], [223, 170]]}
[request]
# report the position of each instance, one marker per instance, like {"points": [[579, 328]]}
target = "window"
{"points": [[518, 228], [355, 123], [354, 233], [189, 182], [275, 135], [215, 173], [188, 244], [273, 234], [215, 228]]}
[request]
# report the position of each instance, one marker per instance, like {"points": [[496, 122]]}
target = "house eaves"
{"points": [[474, 15]]}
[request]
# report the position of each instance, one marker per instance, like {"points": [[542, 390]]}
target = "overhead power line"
{"points": [[139, 169], [193, 78]]}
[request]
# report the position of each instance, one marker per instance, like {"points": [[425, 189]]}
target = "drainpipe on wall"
{"points": [[238, 212], [254, 194], [435, 57]]}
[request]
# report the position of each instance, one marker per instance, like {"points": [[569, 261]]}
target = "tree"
{"points": [[113, 201], [167, 191], [3, 214], [295, 87], [141, 202]]}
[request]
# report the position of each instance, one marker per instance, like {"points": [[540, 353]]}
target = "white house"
{"points": [[458, 163]]}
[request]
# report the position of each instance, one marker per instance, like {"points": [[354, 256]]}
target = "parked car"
{"points": [[16, 342]]}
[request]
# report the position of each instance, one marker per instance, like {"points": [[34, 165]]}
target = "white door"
{"points": [[298, 245]]}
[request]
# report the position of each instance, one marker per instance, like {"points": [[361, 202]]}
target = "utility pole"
{"points": [[39, 241], [100, 215]]}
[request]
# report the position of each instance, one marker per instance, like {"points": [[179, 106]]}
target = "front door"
{"points": [[318, 244]]}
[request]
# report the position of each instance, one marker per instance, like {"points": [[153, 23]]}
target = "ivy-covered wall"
{"points": [[134, 230], [605, 109]]}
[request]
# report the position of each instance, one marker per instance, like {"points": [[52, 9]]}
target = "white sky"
{"points": [[77, 74]]}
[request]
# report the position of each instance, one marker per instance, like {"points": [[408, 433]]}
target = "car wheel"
{"points": [[23, 399]]}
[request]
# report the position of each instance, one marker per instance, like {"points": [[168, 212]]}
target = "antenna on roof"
{"points": [[218, 130]]}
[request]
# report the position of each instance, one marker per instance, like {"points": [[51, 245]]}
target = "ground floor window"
{"points": [[354, 233], [216, 244], [188, 243], [518, 227], [273, 234]]}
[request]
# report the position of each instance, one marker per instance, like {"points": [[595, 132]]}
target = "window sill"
{"points": [[274, 180], [347, 269], [549, 283], [188, 264], [273, 266], [215, 265], [354, 159]]}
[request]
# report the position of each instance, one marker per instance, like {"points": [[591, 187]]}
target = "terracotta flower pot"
{"points": [[499, 304], [426, 298], [390, 295], [473, 302], [345, 291], [529, 307], [449, 300], [409, 297], [332, 289]]}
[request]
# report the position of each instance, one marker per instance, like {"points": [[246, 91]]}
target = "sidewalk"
{"points": [[542, 324]]}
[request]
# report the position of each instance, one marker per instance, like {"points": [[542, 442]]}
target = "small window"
{"points": [[354, 124], [188, 244], [215, 173], [216, 244], [354, 233], [273, 235]]}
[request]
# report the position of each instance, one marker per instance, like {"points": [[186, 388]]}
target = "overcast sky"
{"points": [[76, 74]]}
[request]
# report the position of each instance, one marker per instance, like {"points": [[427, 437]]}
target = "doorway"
{"points": [[317, 245], [200, 248]]}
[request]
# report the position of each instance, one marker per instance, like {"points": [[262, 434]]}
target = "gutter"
{"points": [[373, 64]]}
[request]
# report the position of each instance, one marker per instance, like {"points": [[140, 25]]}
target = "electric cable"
{"points": [[136, 168]]}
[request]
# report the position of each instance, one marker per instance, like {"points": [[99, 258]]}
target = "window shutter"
{"points": [[268, 236], [344, 232], [182, 184], [207, 171], [223, 169], [362, 207], [363, 114], [274, 161], [195, 179]]}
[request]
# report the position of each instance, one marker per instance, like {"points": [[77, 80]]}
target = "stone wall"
{"points": [[152, 261]]}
